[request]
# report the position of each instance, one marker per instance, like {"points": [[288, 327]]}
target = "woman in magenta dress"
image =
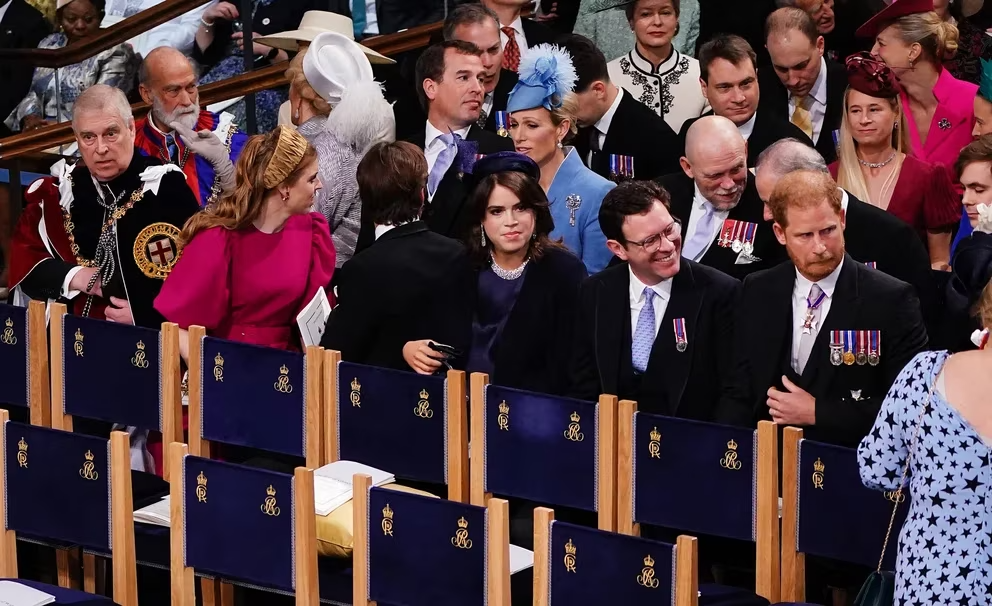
{"points": [[874, 164], [257, 257]]}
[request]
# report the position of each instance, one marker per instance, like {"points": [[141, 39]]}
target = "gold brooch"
{"points": [[157, 249]]}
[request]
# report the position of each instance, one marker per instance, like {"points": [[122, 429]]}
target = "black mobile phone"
{"points": [[447, 350]]}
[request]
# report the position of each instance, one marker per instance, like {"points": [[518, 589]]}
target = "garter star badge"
{"points": [[156, 249]]}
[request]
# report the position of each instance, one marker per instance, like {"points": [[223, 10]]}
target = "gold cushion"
{"points": [[335, 535]]}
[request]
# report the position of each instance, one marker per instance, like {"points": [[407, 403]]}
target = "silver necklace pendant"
{"points": [[508, 274], [878, 164]]}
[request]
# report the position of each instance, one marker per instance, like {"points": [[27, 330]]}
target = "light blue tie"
{"points": [[443, 162], [358, 17], [644, 333], [693, 249]]}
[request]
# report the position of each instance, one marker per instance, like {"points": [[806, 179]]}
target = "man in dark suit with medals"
{"points": [[105, 232], [479, 25], [653, 329], [450, 79], [801, 85], [872, 236], [717, 204], [729, 77], [619, 137], [818, 341]]}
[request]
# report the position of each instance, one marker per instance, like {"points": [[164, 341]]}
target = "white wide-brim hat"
{"points": [[333, 63], [319, 22]]}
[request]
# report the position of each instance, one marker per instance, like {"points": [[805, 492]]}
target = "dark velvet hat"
{"points": [[898, 8], [870, 76], [504, 162]]}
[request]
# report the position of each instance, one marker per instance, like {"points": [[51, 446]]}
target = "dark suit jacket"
{"points": [[447, 213], [775, 100], [533, 349], [634, 131], [847, 397], [750, 209], [726, 17], [411, 284], [683, 384], [394, 15], [537, 33], [22, 27], [768, 128]]}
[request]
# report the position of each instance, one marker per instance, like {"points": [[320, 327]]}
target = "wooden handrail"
{"points": [[110, 37], [242, 84]]}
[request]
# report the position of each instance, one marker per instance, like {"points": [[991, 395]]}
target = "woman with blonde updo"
{"points": [[914, 41], [254, 259], [340, 109]]}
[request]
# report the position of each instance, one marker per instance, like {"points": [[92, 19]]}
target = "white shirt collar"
{"points": [[827, 284], [381, 230], [819, 90], [844, 200], [433, 133], [663, 289], [3, 9], [151, 122], [748, 127], [517, 25], [603, 125]]}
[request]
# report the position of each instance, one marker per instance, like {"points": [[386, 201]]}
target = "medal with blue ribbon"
{"points": [[849, 358], [871, 264], [502, 124], [681, 341], [748, 246], [874, 347], [621, 167]]}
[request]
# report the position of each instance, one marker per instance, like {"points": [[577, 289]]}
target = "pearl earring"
{"points": [[559, 145]]}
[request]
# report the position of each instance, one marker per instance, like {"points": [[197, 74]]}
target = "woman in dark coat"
{"points": [[526, 286]]}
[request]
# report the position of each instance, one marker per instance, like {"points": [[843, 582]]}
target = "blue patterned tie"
{"points": [[358, 21], [644, 333], [444, 161], [172, 148]]}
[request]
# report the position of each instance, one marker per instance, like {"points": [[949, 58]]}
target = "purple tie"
{"points": [[443, 162], [697, 244]]}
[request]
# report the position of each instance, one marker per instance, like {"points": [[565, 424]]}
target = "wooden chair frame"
{"points": [[606, 456], [458, 464], [793, 581], [199, 446], [122, 521], [305, 529], [497, 556], [39, 396], [767, 581], [686, 563]]}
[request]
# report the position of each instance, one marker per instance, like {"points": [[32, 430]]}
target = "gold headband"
{"points": [[286, 158]]}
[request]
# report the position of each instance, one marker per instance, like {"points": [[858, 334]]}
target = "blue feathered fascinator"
{"points": [[546, 76], [985, 86]]}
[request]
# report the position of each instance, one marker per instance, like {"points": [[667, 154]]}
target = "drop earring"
{"points": [[559, 145], [482, 233]]}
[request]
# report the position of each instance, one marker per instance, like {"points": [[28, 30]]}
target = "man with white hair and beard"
{"points": [[718, 206], [177, 131]]}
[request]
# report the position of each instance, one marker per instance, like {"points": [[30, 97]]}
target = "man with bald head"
{"points": [[719, 209], [177, 131], [819, 340], [872, 236]]}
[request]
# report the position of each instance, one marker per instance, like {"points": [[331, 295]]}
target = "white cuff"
{"points": [[65, 293]]}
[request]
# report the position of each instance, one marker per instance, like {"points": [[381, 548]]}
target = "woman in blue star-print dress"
{"points": [[945, 545]]}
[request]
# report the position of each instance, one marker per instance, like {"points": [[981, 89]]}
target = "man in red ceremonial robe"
{"points": [[168, 82], [102, 234]]}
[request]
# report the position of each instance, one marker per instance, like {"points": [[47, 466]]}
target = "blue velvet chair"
{"points": [[247, 526], [413, 550], [412, 425], [827, 511], [255, 397], [24, 360], [702, 478], [544, 448], [579, 566], [71, 490]]}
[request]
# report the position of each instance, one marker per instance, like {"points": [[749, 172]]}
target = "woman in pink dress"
{"points": [[254, 259]]}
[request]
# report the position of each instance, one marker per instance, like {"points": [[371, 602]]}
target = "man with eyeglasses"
{"points": [[177, 131], [718, 206], [654, 328]]}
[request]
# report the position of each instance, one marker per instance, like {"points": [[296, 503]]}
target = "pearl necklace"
{"points": [[508, 274], [878, 164]]}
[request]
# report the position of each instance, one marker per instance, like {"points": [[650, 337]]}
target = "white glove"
{"points": [[208, 146]]}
